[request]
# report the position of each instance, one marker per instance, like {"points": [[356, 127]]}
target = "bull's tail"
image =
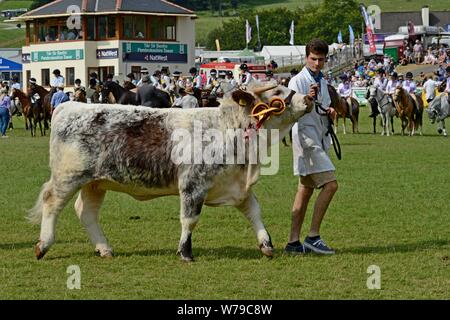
{"points": [[35, 213]]}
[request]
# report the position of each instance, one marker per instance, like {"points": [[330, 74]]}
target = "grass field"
{"points": [[392, 210], [10, 36]]}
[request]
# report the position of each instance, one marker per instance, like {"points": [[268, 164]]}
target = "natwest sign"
{"points": [[108, 53]]}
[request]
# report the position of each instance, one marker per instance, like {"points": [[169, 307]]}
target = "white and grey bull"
{"points": [[438, 111], [96, 147]]}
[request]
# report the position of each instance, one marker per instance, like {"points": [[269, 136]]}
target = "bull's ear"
{"points": [[243, 98]]}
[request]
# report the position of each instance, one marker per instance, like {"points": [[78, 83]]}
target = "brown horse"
{"points": [[24, 101], [80, 96], [340, 105], [46, 98], [410, 110]]}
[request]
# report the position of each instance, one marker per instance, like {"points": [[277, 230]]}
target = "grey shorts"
{"points": [[317, 180]]}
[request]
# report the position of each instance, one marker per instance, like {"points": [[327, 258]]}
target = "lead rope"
{"points": [[336, 145]]}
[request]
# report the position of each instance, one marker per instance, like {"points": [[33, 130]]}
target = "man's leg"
{"points": [[299, 211], [321, 206]]}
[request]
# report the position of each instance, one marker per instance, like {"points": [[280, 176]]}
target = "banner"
{"points": [[369, 29], [339, 37], [248, 32], [352, 35], [257, 29], [291, 32]]}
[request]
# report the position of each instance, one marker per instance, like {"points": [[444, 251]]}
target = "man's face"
{"points": [[315, 62]]}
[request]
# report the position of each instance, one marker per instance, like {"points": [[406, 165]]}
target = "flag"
{"points": [[352, 35], [291, 32], [248, 32], [257, 29], [369, 28], [339, 38]]}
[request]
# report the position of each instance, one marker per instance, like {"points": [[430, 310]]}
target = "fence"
{"points": [[336, 60]]}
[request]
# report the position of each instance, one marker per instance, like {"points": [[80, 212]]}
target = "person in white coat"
{"points": [[311, 143]]}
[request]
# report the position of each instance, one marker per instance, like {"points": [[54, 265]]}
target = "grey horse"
{"points": [[385, 107], [438, 110]]}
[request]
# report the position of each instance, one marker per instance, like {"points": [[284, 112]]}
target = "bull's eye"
{"points": [[278, 92]]}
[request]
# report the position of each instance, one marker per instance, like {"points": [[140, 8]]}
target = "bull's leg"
{"points": [[191, 205], [51, 201], [251, 209], [87, 208]]}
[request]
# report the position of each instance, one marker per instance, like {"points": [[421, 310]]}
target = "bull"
{"points": [[95, 148]]}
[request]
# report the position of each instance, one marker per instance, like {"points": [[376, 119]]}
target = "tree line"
{"points": [[323, 20]]}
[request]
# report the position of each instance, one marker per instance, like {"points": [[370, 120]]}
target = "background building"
{"points": [[108, 36]]}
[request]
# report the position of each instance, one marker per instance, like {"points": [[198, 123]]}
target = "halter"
{"points": [[262, 111]]}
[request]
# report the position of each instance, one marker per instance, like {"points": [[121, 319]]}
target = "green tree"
{"points": [[314, 21]]}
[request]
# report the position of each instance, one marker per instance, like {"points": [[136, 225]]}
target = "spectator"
{"points": [[59, 97], [5, 103], [418, 52]]}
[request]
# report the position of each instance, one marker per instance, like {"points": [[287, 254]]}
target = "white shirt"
{"points": [[57, 81], [245, 78], [186, 102], [409, 86], [198, 82], [16, 85], [310, 142], [390, 88], [430, 87], [345, 90], [380, 83]]}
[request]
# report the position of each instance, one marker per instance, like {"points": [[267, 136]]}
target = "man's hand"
{"points": [[313, 89], [331, 112]]}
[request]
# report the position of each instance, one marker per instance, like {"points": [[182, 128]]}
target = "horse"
{"points": [[24, 103], [80, 96], [35, 115], [46, 98], [385, 107], [112, 92], [438, 110], [340, 105], [409, 109]]}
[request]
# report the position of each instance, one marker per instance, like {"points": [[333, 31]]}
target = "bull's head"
{"points": [[273, 107]]}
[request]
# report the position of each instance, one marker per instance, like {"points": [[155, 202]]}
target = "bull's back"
{"points": [[127, 145]]}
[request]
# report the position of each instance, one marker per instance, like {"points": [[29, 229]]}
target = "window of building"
{"points": [[134, 27], [106, 27], [45, 77], [102, 72], [90, 28], [56, 30], [163, 28], [70, 76]]}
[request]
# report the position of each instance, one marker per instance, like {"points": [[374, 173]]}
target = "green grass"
{"points": [[12, 38], [391, 210]]}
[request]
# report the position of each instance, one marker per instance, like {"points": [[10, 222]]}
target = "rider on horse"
{"points": [[345, 91]]}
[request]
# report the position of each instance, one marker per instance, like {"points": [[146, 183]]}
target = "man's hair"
{"points": [[317, 46]]}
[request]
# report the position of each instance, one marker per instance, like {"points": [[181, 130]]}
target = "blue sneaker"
{"points": [[295, 250], [317, 246]]}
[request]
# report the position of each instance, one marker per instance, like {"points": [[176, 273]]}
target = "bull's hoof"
{"points": [[107, 254], [267, 249], [188, 258], [39, 253], [440, 131]]}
